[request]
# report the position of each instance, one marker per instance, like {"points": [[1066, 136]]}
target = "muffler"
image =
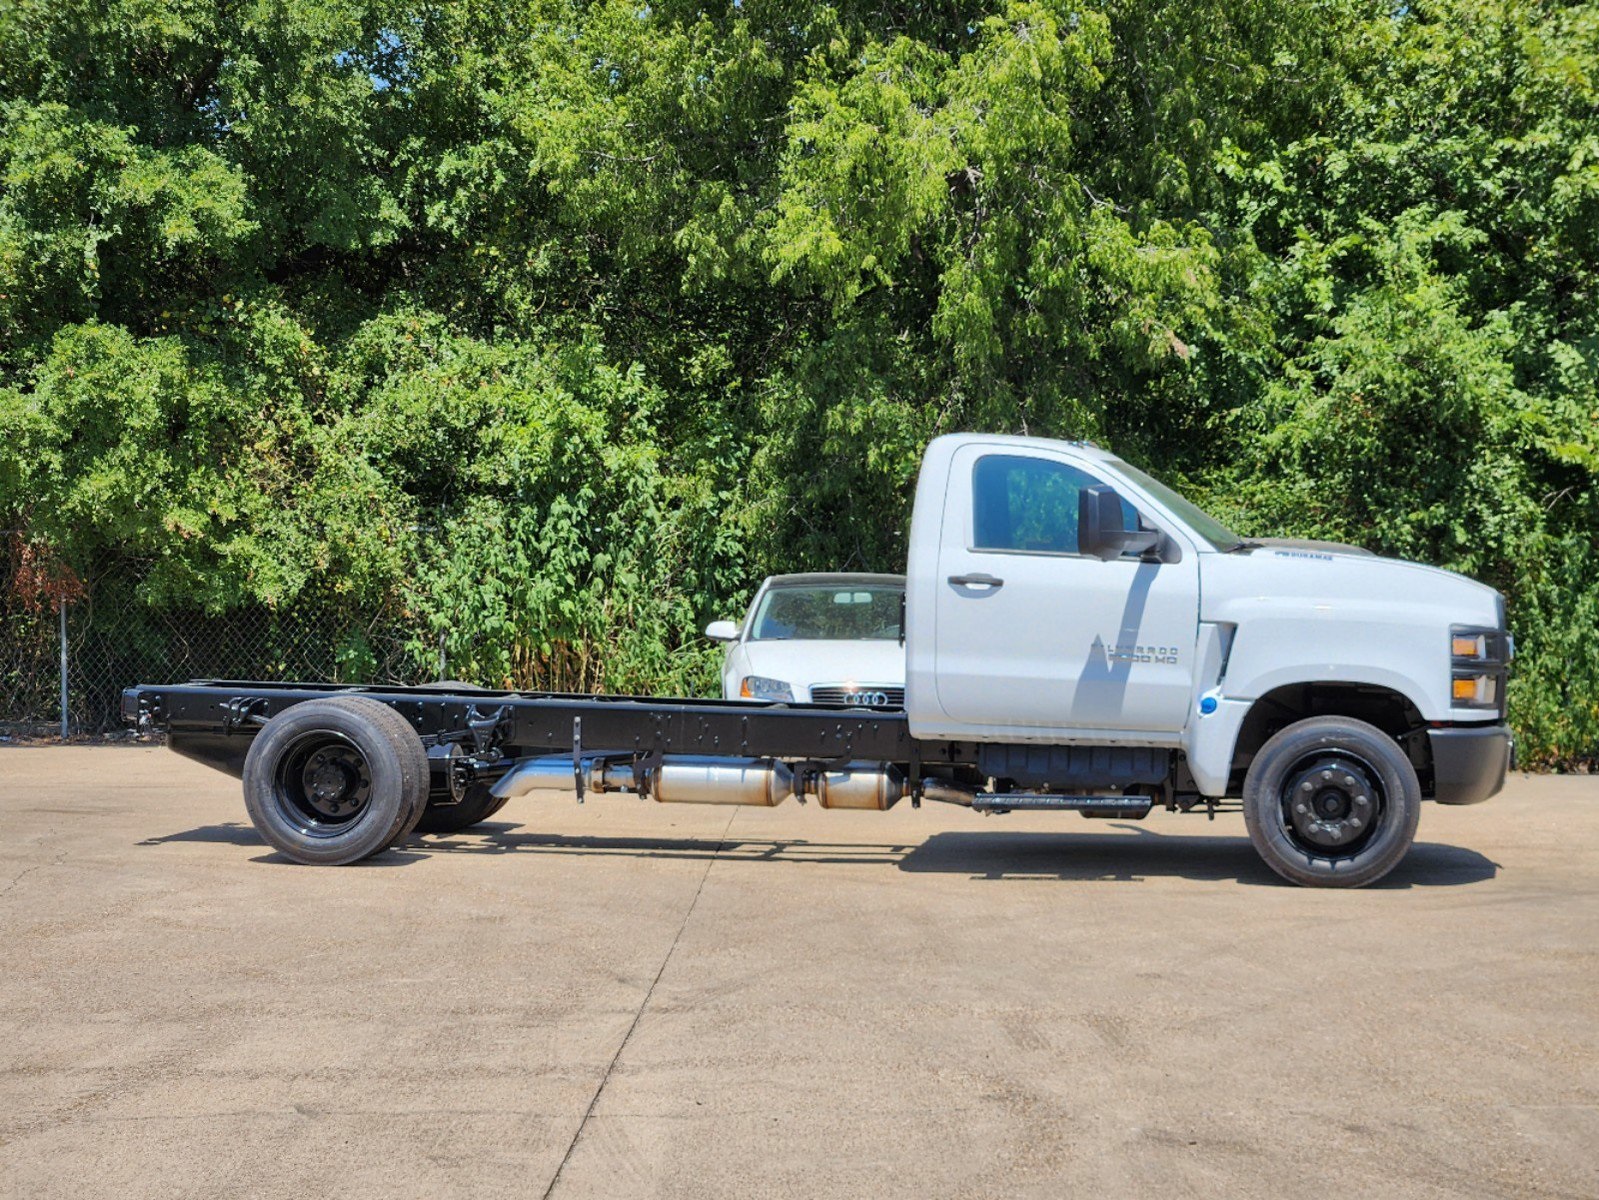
{"points": [[693, 780], [875, 787]]}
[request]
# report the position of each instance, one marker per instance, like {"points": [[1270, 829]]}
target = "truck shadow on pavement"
{"points": [[1123, 859], [1130, 855]]}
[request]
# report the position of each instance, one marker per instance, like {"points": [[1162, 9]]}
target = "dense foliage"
{"points": [[548, 328]]}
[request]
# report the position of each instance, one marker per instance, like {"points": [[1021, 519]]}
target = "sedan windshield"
{"points": [[830, 612]]}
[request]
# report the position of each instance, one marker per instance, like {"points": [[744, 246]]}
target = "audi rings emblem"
{"points": [[867, 699]]}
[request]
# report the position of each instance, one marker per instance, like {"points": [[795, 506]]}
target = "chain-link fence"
{"points": [[112, 641]]}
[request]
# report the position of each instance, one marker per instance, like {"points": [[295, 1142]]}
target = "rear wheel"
{"points": [[336, 780], [479, 804], [1331, 802]]}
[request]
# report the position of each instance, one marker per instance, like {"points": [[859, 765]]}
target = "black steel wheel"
{"points": [[335, 780], [479, 804], [1331, 802]]}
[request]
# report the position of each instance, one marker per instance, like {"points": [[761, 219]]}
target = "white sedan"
{"points": [[823, 638]]}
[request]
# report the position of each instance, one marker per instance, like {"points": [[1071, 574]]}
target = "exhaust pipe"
{"points": [[946, 791], [537, 775], [703, 779]]}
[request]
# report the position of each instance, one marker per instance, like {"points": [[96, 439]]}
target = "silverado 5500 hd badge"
{"points": [[1127, 652]]}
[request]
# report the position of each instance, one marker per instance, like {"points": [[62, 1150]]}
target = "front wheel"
{"points": [[1331, 802]]}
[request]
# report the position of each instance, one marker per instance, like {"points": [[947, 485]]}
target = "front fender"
{"points": [[1393, 652], [1308, 647]]}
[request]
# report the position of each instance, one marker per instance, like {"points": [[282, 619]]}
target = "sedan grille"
{"points": [[858, 695]]}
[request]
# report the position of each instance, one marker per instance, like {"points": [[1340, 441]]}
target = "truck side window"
{"points": [[1029, 504]]}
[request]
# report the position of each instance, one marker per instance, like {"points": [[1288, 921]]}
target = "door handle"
{"points": [[976, 581]]}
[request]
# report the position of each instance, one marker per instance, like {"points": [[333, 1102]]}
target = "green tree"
{"points": [[542, 330]]}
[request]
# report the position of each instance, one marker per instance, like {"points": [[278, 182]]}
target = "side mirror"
{"points": [[722, 631], [1101, 529]]}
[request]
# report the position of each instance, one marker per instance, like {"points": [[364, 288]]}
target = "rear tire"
{"points": [[333, 781], [1331, 802], [479, 804]]}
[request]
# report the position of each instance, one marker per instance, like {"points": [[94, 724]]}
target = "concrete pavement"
{"points": [[625, 999]]}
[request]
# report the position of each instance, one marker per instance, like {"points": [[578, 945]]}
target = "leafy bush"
{"points": [[536, 334]]}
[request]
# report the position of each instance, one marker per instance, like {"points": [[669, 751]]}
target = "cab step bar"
{"points": [[1127, 808]]}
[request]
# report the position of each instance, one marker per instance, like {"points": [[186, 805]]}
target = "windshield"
{"points": [[828, 611], [1196, 518]]}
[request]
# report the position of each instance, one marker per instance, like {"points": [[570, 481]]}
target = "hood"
{"points": [[807, 663], [1327, 579], [1301, 615], [1309, 544]]}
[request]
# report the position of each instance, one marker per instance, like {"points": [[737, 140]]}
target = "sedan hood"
{"points": [[804, 664]]}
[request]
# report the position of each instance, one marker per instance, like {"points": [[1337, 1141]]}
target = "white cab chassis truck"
{"points": [[1078, 637]]}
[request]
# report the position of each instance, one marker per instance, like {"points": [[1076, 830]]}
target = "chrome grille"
{"points": [[858, 695]]}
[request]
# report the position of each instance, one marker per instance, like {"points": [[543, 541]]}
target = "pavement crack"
{"points": [[643, 1004], [23, 875], [26, 871]]}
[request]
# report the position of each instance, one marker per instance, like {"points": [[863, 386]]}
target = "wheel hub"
{"points": [[1332, 803], [334, 783]]}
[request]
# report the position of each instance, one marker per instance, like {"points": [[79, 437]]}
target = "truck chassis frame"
{"points": [[213, 721], [334, 773]]}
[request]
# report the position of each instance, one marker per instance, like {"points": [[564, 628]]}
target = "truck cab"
{"points": [[1060, 597]]}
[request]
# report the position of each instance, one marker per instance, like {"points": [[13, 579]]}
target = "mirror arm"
{"points": [[1142, 540]]}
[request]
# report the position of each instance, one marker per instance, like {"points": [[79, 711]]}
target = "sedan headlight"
{"points": [[759, 687], [1478, 657]]}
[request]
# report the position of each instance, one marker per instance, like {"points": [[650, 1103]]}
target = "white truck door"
{"points": [[1034, 638]]}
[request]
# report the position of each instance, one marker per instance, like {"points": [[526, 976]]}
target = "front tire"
{"points": [[1331, 802], [333, 781]]}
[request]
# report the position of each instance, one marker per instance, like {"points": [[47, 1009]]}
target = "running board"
{"points": [[1127, 808]]}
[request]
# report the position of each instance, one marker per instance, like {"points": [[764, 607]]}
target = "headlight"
{"points": [[1475, 691], [759, 687], [1478, 656]]}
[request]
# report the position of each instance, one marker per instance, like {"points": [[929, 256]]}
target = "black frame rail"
{"points": [[214, 719]]}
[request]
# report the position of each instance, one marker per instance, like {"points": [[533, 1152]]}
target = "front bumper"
{"points": [[1469, 762]]}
